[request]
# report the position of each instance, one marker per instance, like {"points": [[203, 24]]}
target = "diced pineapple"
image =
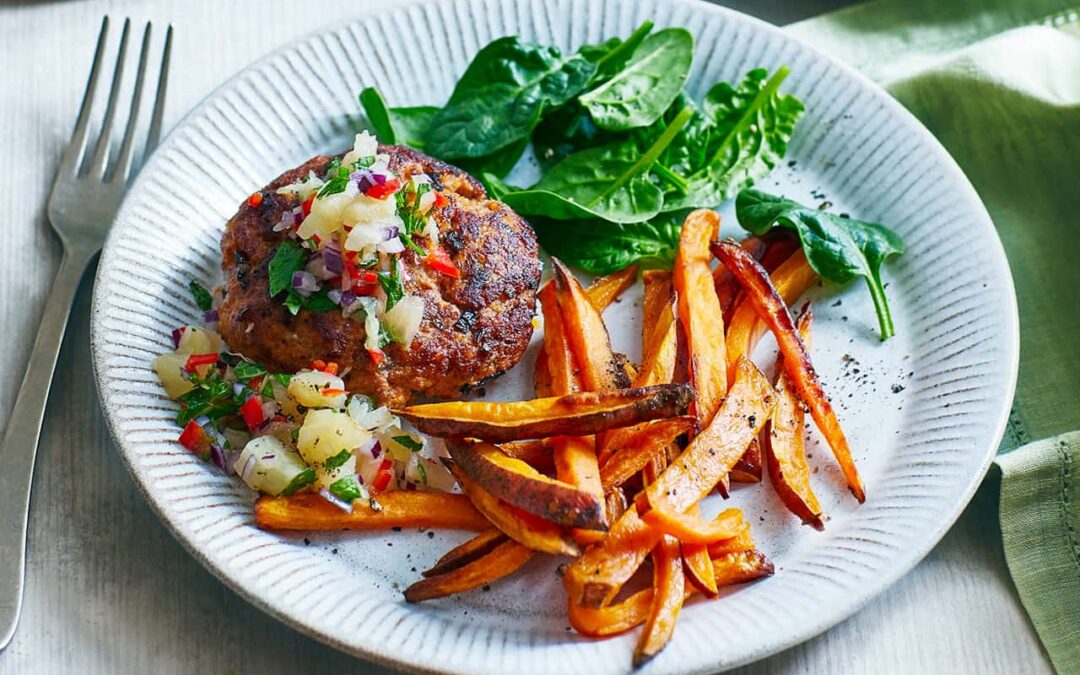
{"points": [[268, 466], [307, 387], [195, 340], [170, 370], [326, 433]]}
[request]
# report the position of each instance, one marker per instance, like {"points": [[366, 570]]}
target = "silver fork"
{"points": [[85, 196]]}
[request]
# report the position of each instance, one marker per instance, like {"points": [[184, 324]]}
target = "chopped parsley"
{"points": [[409, 443], [408, 202], [288, 258], [212, 396], [347, 489], [300, 481], [203, 299], [245, 370], [391, 285], [338, 460]]}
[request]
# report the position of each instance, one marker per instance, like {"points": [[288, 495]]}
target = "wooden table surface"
{"points": [[108, 588]]}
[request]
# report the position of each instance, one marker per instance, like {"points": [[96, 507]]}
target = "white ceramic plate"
{"points": [[924, 411]]}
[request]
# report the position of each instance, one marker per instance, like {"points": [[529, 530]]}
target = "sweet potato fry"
{"points": [[791, 279], [598, 367], [520, 485], [700, 315], [738, 568], [661, 352], [560, 360], [748, 468], [605, 290], [616, 503], [613, 619], [741, 542], [697, 564], [524, 528], [477, 547], [669, 587], [309, 511], [711, 454], [541, 375], [659, 368], [503, 560], [727, 291], [595, 578], [785, 445], [602, 292], [649, 441], [658, 294], [574, 457], [771, 307], [537, 453], [693, 529], [578, 414]]}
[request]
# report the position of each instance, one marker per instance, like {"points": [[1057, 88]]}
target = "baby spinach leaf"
{"points": [[496, 187], [611, 183], [498, 101], [600, 247], [638, 94], [611, 55], [396, 126], [839, 249], [566, 130], [601, 183], [749, 129]]}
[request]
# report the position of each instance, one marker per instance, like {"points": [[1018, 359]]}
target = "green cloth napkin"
{"points": [[998, 83]]}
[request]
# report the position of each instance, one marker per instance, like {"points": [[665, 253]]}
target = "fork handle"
{"points": [[21, 437]]}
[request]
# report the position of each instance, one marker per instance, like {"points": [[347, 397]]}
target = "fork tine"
{"points": [[73, 154], [97, 164], [154, 135], [122, 166]]}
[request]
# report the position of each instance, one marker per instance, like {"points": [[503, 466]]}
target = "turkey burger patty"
{"points": [[423, 291]]}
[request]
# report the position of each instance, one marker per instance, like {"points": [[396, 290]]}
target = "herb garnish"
{"points": [[203, 299]]}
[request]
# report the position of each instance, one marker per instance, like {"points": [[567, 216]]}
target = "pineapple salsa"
{"points": [[284, 433]]}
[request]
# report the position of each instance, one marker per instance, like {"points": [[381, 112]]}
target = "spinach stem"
{"points": [[649, 157], [674, 179], [881, 306]]}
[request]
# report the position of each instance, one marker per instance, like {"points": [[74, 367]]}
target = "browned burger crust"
{"points": [[474, 327]]}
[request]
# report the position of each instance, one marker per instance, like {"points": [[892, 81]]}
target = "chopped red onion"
{"points": [[217, 456], [316, 267], [365, 179], [289, 219], [347, 298], [391, 233], [376, 450], [249, 468], [211, 316], [334, 296], [176, 335], [340, 503], [331, 256], [238, 388], [304, 283]]}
